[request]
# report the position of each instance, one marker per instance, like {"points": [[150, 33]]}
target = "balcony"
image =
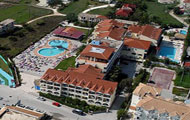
{"points": [[42, 81], [77, 96], [107, 96], [91, 97], [71, 86], [90, 101], [49, 87], [85, 93], [49, 91], [91, 92], [85, 89], [71, 90], [106, 100], [58, 85], [64, 85], [64, 89], [99, 98], [79, 92], [50, 83], [78, 88], [56, 88], [85, 98]]}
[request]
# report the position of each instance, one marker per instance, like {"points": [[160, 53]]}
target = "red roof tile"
{"points": [[137, 43], [69, 32], [110, 28], [93, 51], [124, 13], [85, 76], [146, 30]]}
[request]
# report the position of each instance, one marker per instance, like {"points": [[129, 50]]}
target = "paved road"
{"points": [[180, 19], [98, 7], [59, 113]]}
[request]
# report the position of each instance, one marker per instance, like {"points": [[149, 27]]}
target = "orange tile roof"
{"points": [[85, 76], [110, 28], [146, 30], [137, 43], [104, 55]]}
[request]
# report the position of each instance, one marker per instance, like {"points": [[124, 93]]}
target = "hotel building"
{"points": [[85, 83]]}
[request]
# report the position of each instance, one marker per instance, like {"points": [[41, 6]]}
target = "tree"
{"points": [[120, 113], [54, 2], [71, 17], [125, 83], [177, 11]]}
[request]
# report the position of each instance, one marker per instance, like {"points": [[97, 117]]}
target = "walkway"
{"points": [[180, 19], [45, 17], [55, 13], [98, 7]]}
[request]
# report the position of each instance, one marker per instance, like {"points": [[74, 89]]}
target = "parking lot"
{"points": [[30, 101]]}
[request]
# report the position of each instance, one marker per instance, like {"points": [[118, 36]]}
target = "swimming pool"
{"points": [[168, 52], [184, 32], [57, 47]]}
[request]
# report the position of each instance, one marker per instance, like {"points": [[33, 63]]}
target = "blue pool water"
{"points": [[55, 48], [183, 32], [168, 52]]}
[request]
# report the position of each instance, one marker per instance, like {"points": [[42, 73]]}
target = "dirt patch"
{"points": [[5, 5]]}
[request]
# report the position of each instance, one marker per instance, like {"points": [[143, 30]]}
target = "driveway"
{"points": [[98, 7]]}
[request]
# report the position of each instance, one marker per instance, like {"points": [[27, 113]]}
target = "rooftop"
{"points": [[98, 51], [137, 43], [146, 30], [69, 32], [110, 28], [85, 76], [19, 113], [143, 89], [6, 22], [162, 106]]}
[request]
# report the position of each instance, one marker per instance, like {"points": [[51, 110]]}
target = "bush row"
{"points": [[74, 103]]}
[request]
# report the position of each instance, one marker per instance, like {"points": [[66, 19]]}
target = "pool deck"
{"points": [[31, 62], [36, 51]]}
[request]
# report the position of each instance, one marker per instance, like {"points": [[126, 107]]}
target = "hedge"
{"points": [[74, 103]]}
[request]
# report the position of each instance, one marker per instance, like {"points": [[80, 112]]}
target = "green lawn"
{"points": [[69, 62], [185, 81], [79, 6], [10, 48], [102, 11], [180, 92], [22, 13], [159, 10]]}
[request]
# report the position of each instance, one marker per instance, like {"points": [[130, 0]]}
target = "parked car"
{"points": [[1, 98], [41, 98], [21, 105], [56, 104], [30, 108], [79, 112]]}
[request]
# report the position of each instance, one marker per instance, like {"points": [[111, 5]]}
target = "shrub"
{"points": [[74, 103]]}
